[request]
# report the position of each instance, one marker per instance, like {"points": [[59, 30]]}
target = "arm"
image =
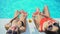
{"points": [[9, 24]]}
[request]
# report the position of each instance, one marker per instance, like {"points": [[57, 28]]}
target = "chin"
{"points": [[51, 32]]}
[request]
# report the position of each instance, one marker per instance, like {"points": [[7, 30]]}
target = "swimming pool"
{"points": [[9, 7]]}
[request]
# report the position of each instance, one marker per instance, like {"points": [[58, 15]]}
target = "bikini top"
{"points": [[43, 20]]}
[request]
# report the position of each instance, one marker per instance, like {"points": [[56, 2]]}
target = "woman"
{"points": [[18, 24], [43, 21]]}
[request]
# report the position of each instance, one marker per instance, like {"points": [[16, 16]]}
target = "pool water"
{"points": [[9, 7]]}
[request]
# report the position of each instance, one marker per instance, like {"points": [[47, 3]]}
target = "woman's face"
{"points": [[51, 26]]}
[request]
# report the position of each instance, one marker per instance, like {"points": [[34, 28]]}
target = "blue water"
{"points": [[9, 7]]}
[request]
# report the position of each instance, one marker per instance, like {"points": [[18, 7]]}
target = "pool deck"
{"points": [[31, 28]]}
